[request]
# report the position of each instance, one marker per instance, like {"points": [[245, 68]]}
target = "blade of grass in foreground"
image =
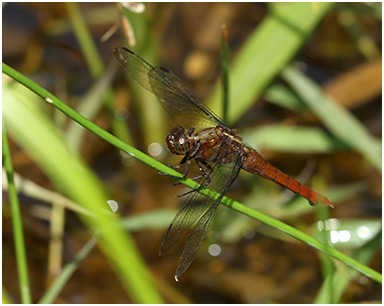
{"points": [[46, 146], [21, 259], [188, 182]]}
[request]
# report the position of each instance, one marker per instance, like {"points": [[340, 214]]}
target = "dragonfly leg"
{"points": [[185, 161], [206, 170], [192, 190], [203, 166]]}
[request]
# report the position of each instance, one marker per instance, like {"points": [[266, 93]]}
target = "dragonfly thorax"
{"points": [[180, 140]]}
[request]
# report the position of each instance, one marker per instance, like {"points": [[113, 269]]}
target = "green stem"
{"points": [[96, 66], [225, 71], [66, 272], [21, 259], [291, 231], [188, 182], [85, 40]]}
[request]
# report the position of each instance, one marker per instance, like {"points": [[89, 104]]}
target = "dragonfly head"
{"points": [[180, 140]]}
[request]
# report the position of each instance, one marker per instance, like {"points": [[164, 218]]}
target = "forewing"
{"points": [[178, 101]]}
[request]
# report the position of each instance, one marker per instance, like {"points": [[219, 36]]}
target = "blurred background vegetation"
{"points": [[305, 91]]}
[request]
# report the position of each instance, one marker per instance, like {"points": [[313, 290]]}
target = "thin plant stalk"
{"points": [[21, 259], [85, 40], [39, 137], [96, 67], [328, 267], [67, 271], [225, 70]]}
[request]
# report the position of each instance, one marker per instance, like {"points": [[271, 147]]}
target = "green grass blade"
{"points": [[267, 51], [89, 107], [66, 272], [343, 277], [293, 139], [190, 183], [32, 190], [96, 67], [357, 32], [225, 71], [46, 146], [85, 40], [282, 96], [337, 119], [151, 116], [304, 238], [21, 259], [327, 264], [159, 218]]}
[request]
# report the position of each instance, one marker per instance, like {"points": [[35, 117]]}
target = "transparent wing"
{"points": [[178, 101], [197, 212]]}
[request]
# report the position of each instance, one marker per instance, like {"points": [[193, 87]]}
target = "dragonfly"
{"points": [[218, 151]]}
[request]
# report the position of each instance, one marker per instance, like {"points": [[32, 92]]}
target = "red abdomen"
{"points": [[255, 163]]}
